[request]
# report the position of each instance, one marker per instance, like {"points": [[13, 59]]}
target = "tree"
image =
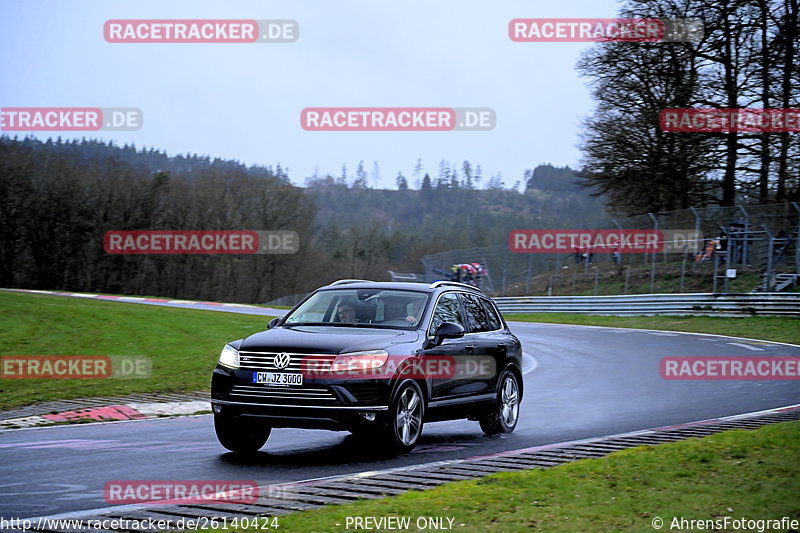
{"points": [[745, 58], [361, 177], [426, 190], [402, 183], [443, 181], [376, 175], [496, 182], [626, 155], [466, 169], [416, 173], [788, 58]]}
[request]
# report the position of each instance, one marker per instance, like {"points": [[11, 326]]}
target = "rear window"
{"points": [[447, 309], [480, 314]]}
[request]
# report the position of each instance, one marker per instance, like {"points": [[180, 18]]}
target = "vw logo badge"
{"points": [[281, 360]]}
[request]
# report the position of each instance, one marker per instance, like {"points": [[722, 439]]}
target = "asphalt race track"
{"points": [[580, 382]]}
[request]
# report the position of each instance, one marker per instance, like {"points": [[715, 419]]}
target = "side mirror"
{"points": [[274, 322], [447, 330]]}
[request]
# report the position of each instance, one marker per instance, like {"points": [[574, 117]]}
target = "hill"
{"points": [[57, 199]]}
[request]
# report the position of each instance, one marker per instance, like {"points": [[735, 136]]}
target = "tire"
{"points": [[502, 417], [240, 435], [406, 414]]}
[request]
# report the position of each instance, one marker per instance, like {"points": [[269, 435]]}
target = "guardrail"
{"points": [[699, 304]]}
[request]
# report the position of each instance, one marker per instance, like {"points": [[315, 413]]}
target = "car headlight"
{"points": [[229, 357], [360, 360]]}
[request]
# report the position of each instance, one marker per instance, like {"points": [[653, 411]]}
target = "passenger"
{"points": [[416, 314], [394, 311]]}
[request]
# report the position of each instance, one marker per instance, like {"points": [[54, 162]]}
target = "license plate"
{"points": [[277, 378]]}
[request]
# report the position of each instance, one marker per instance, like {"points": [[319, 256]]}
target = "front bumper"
{"points": [[318, 404]]}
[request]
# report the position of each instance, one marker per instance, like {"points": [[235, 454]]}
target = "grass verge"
{"points": [[183, 344], [735, 474], [778, 329]]}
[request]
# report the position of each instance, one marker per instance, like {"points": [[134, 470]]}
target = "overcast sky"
{"points": [[243, 101]]}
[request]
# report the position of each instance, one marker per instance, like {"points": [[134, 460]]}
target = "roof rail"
{"points": [[436, 284], [346, 281]]}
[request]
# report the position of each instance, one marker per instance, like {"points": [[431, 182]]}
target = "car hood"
{"points": [[322, 339]]}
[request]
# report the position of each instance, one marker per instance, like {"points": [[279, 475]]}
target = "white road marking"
{"points": [[529, 363], [745, 346]]}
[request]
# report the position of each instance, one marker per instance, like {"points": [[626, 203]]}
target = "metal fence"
{"points": [[758, 242]]}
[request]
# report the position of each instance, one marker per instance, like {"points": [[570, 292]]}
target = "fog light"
{"points": [[216, 408], [369, 417]]}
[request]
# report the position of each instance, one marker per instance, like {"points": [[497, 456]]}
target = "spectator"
{"points": [[780, 245]]}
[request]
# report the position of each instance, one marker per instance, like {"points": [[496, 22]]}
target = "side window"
{"points": [[477, 316], [447, 310], [491, 313]]}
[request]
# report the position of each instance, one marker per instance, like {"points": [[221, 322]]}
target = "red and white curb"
{"points": [[111, 413]]}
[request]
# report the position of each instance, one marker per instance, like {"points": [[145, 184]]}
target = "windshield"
{"points": [[377, 308]]}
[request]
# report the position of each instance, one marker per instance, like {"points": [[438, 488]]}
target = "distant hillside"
{"points": [[436, 218], [58, 198]]}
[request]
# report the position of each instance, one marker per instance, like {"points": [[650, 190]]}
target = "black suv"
{"points": [[372, 358]]}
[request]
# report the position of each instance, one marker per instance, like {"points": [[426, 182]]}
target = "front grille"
{"points": [[283, 395], [299, 362]]}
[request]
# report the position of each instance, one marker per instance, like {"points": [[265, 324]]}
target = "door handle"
{"points": [[501, 347], [470, 348]]}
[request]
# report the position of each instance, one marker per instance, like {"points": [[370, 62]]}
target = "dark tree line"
{"points": [[368, 231], [747, 57], [57, 199]]}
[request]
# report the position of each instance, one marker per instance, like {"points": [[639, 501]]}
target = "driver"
{"points": [[347, 313]]}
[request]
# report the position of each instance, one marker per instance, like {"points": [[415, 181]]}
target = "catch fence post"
{"points": [[653, 254]]}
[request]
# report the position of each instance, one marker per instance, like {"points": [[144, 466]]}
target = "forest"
{"points": [[748, 56], [58, 198]]}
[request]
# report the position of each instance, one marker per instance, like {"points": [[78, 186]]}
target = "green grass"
{"points": [[183, 344], [611, 280], [751, 474], [778, 329]]}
